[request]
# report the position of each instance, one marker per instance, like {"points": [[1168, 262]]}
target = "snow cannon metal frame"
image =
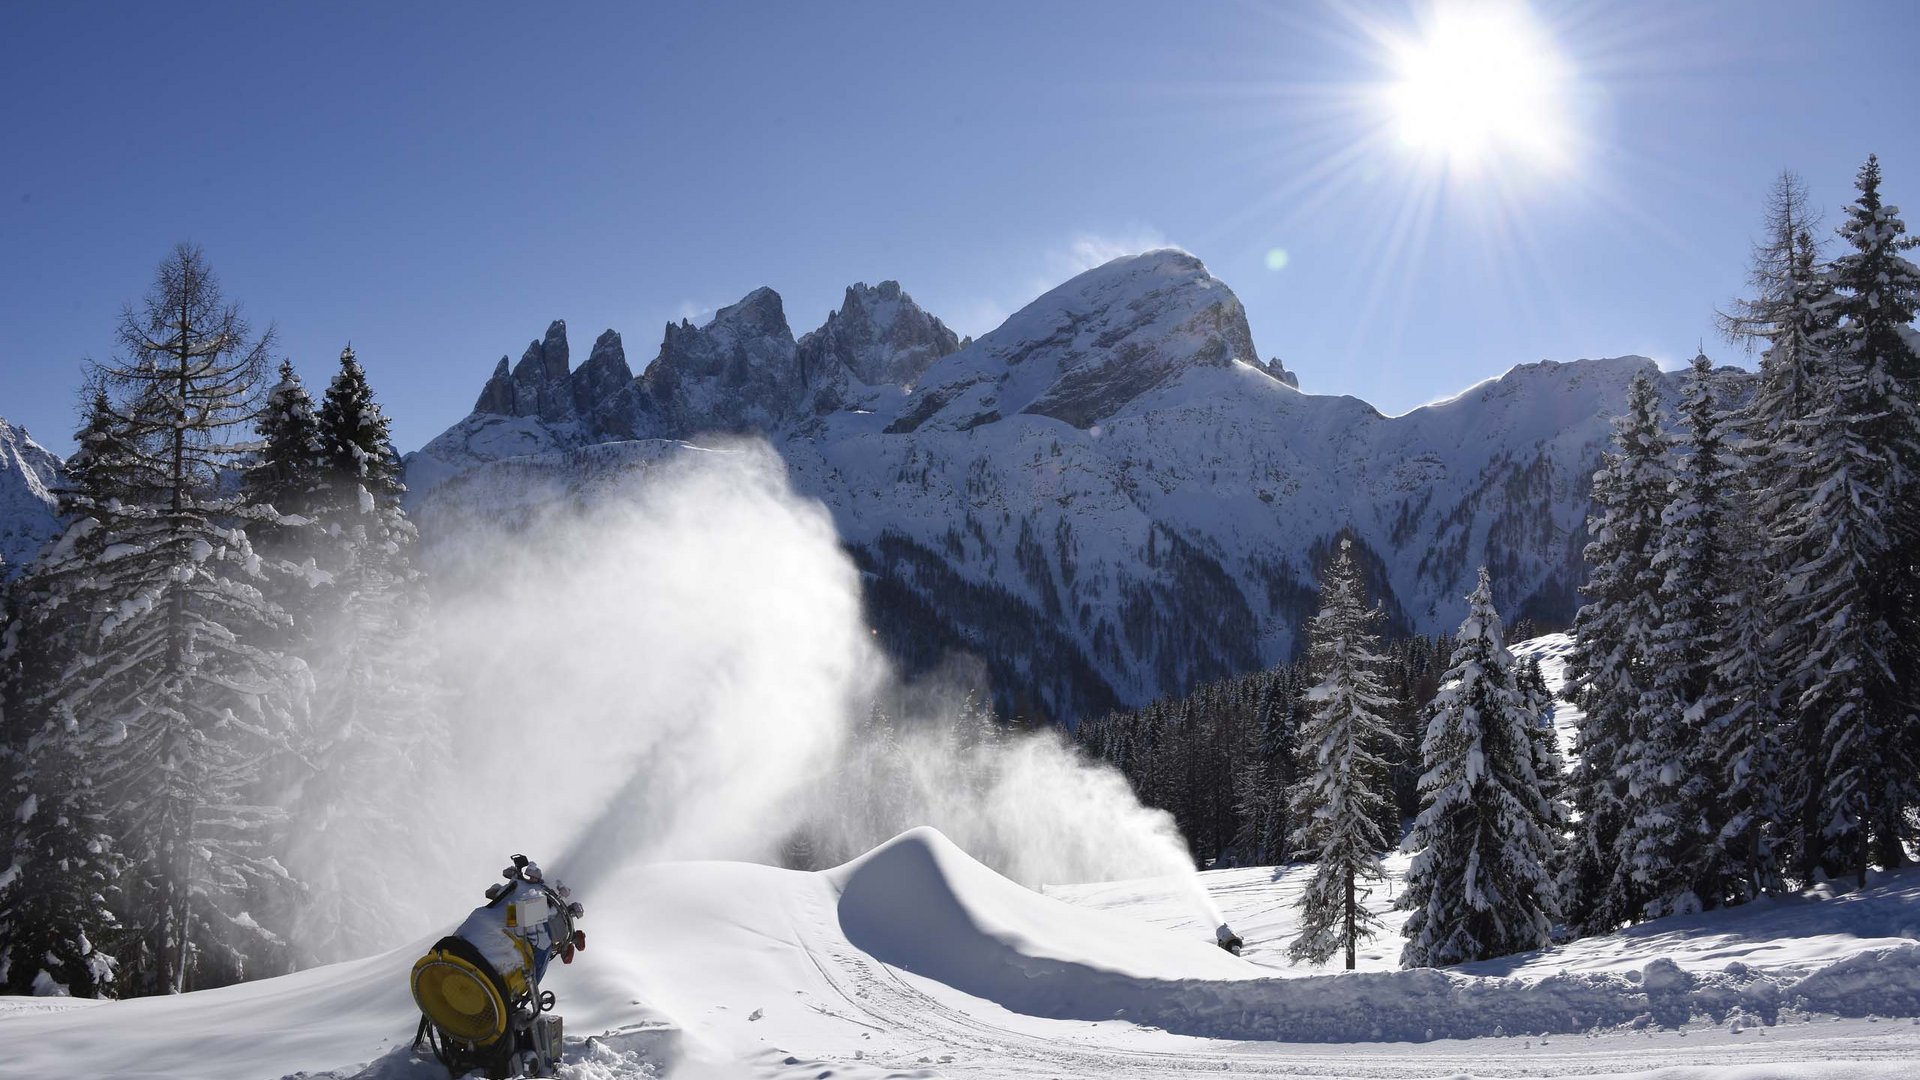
{"points": [[478, 989]]}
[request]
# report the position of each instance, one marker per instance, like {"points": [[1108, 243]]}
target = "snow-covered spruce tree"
{"points": [[375, 726], [57, 865], [358, 441], [178, 708], [1667, 842], [1739, 713], [1609, 667], [1549, 765], [1479, 885], [1878, 297], [1338, 803], [290, 470], [289, 473], [57, 869], [1851, 541], [1754, 706]]}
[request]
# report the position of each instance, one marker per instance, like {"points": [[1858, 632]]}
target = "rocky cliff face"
{"points": [[28, 475], [1110, 497], [878, 339]]}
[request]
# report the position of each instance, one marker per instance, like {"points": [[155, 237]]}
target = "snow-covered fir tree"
{"points": [[358, 441], [290, 469], [58, 872], [375, 725], [176, 703], [1848, 543], [1549, 764], [1609, 668], [289, 472], [1739, 710], [1674, 818], [1745, 708], [1338, 803], [57, 861], [1480, 884]]}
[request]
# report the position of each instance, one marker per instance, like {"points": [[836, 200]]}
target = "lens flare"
{"points": [[1480, 83]]}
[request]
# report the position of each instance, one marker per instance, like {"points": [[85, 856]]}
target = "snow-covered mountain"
{"points": [[28, 474], [1108, 498]]}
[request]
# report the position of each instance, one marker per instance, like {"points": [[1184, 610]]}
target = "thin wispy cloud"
{"points": [[1088, 250], [1059, 261]]}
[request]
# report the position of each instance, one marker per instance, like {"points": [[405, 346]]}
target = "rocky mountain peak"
{"points": [[29, 473], [546, 359], [879, 336], [537, 385], [602, 388], [597, 397], [1088, 348], [736, 373], [759, 314]]}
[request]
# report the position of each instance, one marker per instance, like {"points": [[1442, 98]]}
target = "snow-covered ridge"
{"points": [[1110, 497], [28, 475]]}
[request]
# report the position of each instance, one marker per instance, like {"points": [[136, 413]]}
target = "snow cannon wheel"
{"points": [[459, 993]]}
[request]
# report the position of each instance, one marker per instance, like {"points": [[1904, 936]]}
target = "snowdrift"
{"points": [[878, 966]]}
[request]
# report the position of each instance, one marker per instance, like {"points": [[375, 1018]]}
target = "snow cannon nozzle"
{"points": [[1224, 937]]}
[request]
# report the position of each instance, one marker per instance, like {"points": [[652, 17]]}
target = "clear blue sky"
{"points": [[436, 183]]}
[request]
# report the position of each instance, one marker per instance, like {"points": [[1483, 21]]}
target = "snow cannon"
{"points": [[478, 988], [1224, 937]]}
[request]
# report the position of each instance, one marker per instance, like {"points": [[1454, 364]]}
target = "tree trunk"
{"points": [[1352, 916]]}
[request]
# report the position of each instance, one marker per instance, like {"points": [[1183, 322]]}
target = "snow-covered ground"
{"points": [[915, 960]]}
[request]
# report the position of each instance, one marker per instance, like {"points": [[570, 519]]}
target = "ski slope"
{"points": [[915, 960]]}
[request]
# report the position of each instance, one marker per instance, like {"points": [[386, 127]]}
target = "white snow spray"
{"points": [[1027, 805], [675, 668]]}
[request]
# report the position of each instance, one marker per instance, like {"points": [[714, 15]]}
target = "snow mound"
{"points": [[921, 904]]}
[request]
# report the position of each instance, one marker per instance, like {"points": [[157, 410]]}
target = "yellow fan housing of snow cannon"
{"points": [[460, 998]]}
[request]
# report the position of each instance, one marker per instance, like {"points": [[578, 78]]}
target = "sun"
{"points": [[1480, 84]]}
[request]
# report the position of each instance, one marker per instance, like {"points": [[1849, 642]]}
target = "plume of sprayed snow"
{"points": [[652, 673], [1026, 804], [678, 668]]}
